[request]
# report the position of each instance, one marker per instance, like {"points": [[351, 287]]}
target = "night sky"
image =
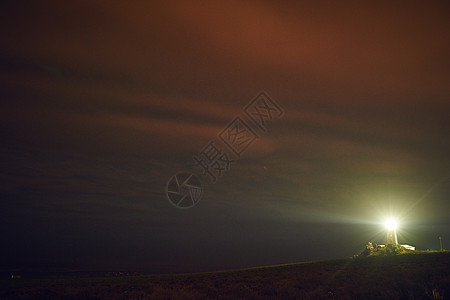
{"points": [[102, 103]]}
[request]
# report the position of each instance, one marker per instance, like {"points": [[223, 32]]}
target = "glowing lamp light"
{"points": [[391, 224]]}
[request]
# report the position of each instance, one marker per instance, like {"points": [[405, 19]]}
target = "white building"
{"points": [[391, 237], [409, 247]]}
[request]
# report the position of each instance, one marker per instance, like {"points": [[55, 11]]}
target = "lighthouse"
{"points": [[391, 232]]}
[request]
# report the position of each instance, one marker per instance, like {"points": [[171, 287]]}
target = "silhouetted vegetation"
{"points": [[409, 276], [376, 250]]}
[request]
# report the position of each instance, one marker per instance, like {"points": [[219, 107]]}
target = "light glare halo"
{"points": [[391, 224]]}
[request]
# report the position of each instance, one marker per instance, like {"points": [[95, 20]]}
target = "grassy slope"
{"points": [[409, 276]]}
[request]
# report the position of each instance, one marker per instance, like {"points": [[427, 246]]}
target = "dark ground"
{"points": [[408, 276]]}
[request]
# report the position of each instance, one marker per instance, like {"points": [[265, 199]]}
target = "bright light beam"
{"points": [[391, 224]]}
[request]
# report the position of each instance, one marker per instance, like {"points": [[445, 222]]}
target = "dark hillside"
{"points": [[408, 276]]}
